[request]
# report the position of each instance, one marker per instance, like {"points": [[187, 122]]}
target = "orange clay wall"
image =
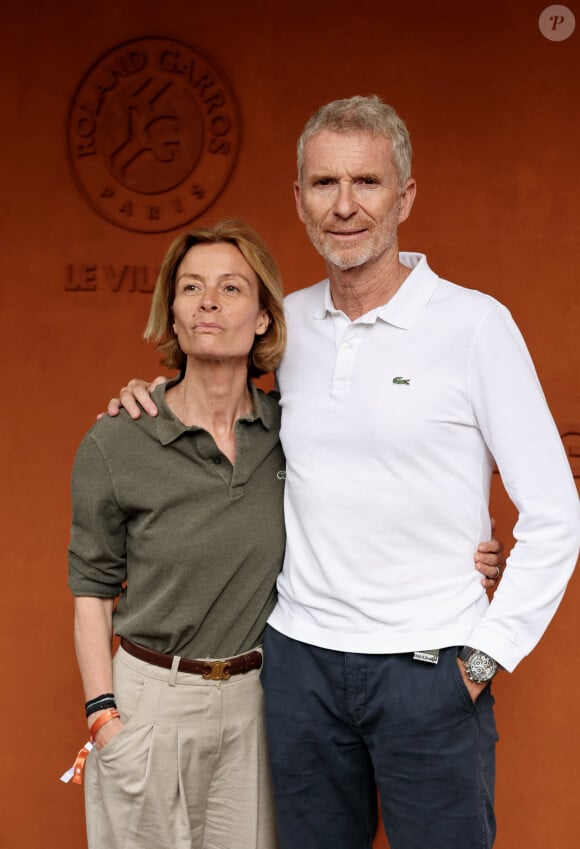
{"points": [[492, 105]]}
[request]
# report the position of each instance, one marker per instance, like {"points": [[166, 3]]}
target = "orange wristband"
{"points": [[79, 765], [105, 717]]}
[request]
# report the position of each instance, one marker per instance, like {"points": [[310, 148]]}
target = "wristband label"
{"points": [[75, 773]]}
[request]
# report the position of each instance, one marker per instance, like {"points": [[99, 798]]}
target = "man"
{"points": [[398, 392]]}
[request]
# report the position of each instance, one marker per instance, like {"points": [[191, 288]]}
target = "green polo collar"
{"points": [[170, 428]]}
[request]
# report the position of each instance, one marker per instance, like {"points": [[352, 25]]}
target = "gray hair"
{"points": [[363, 114]]}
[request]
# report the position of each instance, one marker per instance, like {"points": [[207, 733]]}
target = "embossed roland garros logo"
{"points": [[153, 134]]}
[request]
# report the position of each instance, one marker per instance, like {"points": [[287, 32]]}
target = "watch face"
{"points": [[480, 667]]}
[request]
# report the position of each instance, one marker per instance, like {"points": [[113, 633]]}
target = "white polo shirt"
{"points": [[390, 426]]}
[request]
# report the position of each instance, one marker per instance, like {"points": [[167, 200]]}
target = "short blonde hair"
{"points": [[267, 349], [366, 115]]}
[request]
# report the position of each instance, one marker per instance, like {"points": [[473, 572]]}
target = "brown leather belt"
{"points": [[213, 670]]}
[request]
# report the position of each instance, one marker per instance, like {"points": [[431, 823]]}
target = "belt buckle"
{"points": [[217, 670]]}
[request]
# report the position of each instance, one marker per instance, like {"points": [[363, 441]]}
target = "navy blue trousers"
{"points": [[341, 725]]}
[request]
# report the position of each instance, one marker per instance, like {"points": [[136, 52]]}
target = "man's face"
{"points": [[349, 197]]}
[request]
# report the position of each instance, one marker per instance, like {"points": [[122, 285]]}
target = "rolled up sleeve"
{"points": [[96, 556]]}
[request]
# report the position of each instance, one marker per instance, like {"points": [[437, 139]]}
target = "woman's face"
{"points": [[216, 309]]}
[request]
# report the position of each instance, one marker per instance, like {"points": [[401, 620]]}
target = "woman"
{"points": [[177, 539]]}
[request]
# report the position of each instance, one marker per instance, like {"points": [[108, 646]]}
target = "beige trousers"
{"points": [[188, 771]]}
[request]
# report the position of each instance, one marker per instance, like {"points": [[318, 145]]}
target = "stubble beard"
{"points": [[341, 258], [353, 256]]}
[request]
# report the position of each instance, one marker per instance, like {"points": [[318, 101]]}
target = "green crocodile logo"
{"points": [[405, 381]]}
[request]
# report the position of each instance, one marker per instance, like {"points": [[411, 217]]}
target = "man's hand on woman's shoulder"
{"points": [[134, 397]]}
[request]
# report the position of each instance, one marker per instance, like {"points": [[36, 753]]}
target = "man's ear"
{"points": [[407, 199], [298, 200]]}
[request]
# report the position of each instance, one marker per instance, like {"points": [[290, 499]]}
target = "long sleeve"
{"points": [[518, 428]]}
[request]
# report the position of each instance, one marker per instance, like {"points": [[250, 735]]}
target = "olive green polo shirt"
{"points": [[189, 544]]}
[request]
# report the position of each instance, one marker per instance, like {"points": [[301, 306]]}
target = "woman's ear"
{"points": [[263, 322]]}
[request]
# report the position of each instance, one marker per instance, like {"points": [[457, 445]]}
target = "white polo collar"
{"points": [[406, 305]]}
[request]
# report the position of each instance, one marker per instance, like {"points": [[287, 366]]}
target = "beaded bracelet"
{"points": [[102, 702], [103, 705]]}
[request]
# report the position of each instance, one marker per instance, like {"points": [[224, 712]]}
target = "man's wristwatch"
{"points": [[480, 667]]}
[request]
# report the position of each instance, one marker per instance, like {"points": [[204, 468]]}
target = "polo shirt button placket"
{"points": [[344, 362]]}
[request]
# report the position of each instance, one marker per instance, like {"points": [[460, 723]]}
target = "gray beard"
{"points": [[339, 259]]}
